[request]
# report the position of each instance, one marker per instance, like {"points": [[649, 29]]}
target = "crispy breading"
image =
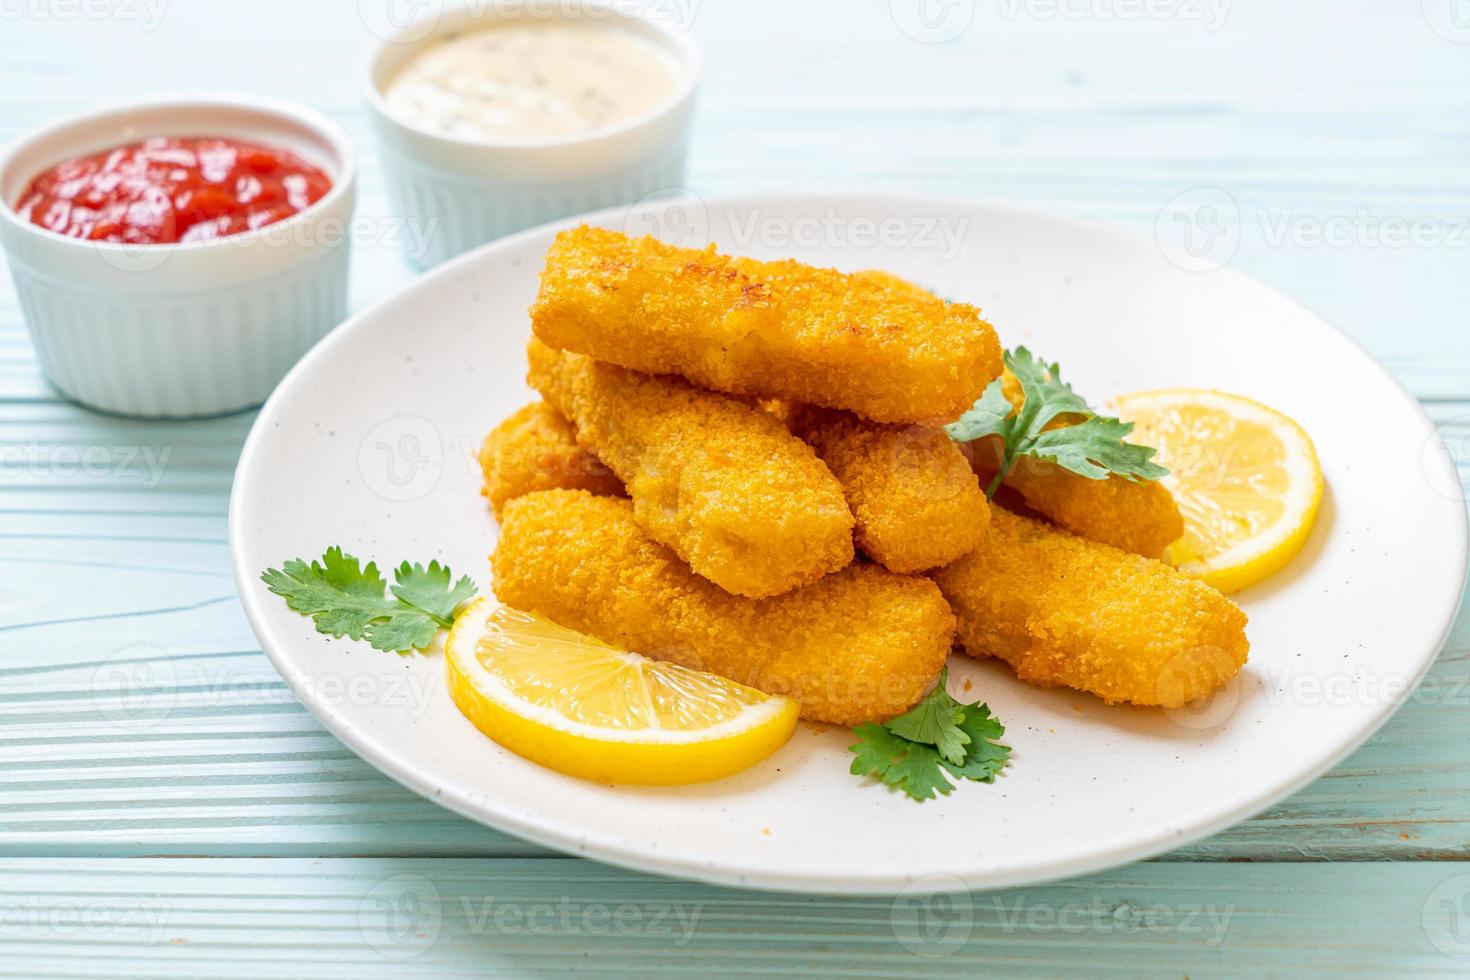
{"points": [[764, 329], [1063, 610], [887, 279], [747, 504], [536, 449], [1140, 517], [860, 645], [916, 501]]}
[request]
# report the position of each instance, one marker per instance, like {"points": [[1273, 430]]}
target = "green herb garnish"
{"points": [[344, 599], [1093, 446], [913, 751]]}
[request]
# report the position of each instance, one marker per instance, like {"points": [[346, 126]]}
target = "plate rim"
{"points": [[627, 854]]}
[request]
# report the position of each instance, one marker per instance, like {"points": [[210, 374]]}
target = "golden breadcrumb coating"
{"points": [[1066, 611], [536, 449], [887, 279], [860, 645], [916, 501], [1140, 516], [764, 329], [748, 505]]}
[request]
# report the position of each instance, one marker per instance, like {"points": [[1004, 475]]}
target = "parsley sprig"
{"points": [[939, 735], [1092, 446], [344, 599]]}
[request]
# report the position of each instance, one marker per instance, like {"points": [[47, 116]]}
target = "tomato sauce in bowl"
{"points": [[169, 190]]}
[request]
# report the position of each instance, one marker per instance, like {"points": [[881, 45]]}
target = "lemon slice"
{"points": [[1245, 477], [586, 708]]}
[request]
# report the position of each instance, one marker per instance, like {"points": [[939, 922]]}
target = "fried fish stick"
{"points": [[860, 645], [747, 504], [1066, 611], [536, 449], [916, 501], [1140, 517], [764, 329]]}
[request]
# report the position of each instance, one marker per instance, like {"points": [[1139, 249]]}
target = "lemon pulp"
{"points": [[1245, 477], [587, 708]]}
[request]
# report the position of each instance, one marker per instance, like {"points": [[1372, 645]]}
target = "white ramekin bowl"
{"points": [[466, 193], [176, 331]]}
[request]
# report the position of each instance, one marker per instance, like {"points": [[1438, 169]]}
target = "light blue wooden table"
{"points": [[209, 826]]}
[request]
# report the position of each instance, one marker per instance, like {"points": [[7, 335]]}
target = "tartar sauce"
{"points": [[527, 81]]}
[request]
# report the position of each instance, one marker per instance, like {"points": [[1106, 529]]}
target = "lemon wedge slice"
{"points": [[1246, 479], [586, 708]]}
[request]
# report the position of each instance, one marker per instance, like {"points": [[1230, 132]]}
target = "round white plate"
{"points": [[369, 444]]}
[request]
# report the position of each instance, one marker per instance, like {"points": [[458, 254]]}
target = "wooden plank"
{"points": [[423, 917]]}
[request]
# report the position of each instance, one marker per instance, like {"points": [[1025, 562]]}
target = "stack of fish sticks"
{"points": [[739, 466]]}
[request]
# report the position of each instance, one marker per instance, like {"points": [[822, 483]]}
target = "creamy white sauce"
{"points": [[528, 80]]}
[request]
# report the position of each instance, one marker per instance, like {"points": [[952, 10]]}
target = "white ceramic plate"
{"points": [[369, 443]]}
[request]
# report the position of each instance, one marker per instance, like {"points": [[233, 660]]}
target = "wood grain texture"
{"points": [[417, 917], [138, 717]]}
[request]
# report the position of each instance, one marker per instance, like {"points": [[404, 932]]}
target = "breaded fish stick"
{"points": [[747, 504], [536, 449], [1066, 611], [860, 645], [916, 501], [1139, 517], [763, 329]]}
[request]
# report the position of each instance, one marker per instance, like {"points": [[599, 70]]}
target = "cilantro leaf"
{"points": [[345, 599], [990, 416], [406, 629], [935, 721], [429, 589], [1053, 422], [1045, 396], [985, 756], [913, 752], [899, 763], [1095, 448], [339, 596]]}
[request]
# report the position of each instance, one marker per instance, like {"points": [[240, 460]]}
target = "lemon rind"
{"points": [[471, 621]]}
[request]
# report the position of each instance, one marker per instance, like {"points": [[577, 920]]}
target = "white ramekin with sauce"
{"points": [[493, 120], [191, 328]]}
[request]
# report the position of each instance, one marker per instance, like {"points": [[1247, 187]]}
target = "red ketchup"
{"points": [[167, 190]]}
